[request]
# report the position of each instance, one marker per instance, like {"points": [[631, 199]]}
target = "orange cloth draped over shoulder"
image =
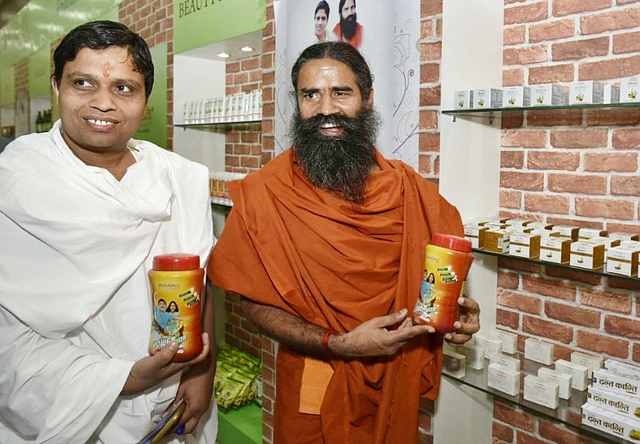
{"points": [[290, 245], [355, 40]]}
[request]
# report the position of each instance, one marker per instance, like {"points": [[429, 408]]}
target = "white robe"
{"points": [[75, 304]]}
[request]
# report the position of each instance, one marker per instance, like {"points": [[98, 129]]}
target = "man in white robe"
{"points": [[83, 210]]}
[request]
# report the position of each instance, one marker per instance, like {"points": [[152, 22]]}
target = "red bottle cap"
{"points": [[451, 242], [176, 261]]}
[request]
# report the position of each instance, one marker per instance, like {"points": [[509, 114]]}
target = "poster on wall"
{"points": [[386, 33]]}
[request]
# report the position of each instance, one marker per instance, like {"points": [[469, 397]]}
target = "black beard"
{"points": [[348, 25], [342, 164]]}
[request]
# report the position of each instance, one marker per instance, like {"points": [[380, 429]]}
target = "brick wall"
{"points": [[568, 167]]}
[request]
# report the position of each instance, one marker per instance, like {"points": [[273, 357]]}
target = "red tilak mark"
{"points": [[106, 71]]}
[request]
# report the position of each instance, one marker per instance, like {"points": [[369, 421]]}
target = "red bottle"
{"points": [[447, 262]]}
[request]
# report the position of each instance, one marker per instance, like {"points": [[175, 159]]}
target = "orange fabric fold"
{"points": [[315, 380], [289, 245]]}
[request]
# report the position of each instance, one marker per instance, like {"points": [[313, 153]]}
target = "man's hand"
{"points": [[196, 389], [379, 336], [152, 370], [467, 324]]}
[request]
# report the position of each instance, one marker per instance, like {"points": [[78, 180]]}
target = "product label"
{"points": [[176, 312], [441, 286]]}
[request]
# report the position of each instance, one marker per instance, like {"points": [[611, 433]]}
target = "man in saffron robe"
{"points": [[348, 29], [326, 246]]}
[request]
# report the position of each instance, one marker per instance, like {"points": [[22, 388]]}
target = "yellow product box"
{"points": [[496, 240], [548, 95], [463, 99], [623, 260], [517, 222], [540, 225], [486, 98], [586, 92], [565, 231], [524, 245], [624, 236], [630, 89], [586, 254], [555, 249], [475, 233], [516, 96], [588, 233], [610, 422]]}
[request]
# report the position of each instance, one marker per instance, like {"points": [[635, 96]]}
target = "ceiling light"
{"points": [[223, 55], [246, 49]]}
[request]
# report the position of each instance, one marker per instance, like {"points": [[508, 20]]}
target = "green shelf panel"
{"points": [[240, 426]]}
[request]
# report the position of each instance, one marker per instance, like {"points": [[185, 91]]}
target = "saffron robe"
{"points": [[355, 40], [293, 246], [75, 304]]}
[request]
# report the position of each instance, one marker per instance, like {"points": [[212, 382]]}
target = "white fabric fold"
{"points": [[75, 302]]}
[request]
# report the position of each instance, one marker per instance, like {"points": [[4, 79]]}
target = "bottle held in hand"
{"points": [[176, 284], [447, 262]]}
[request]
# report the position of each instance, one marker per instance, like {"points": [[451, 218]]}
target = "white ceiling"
{"points": [[231, 47]]}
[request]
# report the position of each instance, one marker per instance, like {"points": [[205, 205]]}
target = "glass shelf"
{"points": [[568, 411], [565, 266], [496, 113], [218, 123], [222, 202]]}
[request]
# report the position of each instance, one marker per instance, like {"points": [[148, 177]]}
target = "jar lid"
{"points": [[451, 242], [176, 261]]}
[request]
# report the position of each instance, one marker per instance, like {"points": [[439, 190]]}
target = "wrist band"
{"points": [[325, 343]]}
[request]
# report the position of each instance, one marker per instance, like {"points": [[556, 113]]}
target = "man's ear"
{"points": [[370, 101], [54, 86]]}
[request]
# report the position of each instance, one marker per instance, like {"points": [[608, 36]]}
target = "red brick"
{"points": [[554, 30], [547, 203], [558, 434], [547, 287], [525, 55], [610, 68], [581, 49], [572, 315], [532, 12], [620, 326], [547, 329], [428, 119], [614, 20], [552, 160], [524, 138], [575, 183], [514, 35], [512, 76], [562, 73], [502, 432], [510, 199], [611, 162], [511, 159], [602, 343], [626, 138], [626, 43], [564, 117], [429, 73], [430, 7], [589, 138], [430, 96], [513, 416], [605, 208], [521, 181], [429, 142], [612, 116], [508, 318], [606, 300], [431, 51], [519, 301], [566, 7]]}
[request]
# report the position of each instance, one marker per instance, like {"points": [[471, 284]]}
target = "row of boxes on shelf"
{"points": [[238, 379], [230, 108], [218, 186], [588, 248], [504, 372], [613, 405], [613, 387], [550, 94]]}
